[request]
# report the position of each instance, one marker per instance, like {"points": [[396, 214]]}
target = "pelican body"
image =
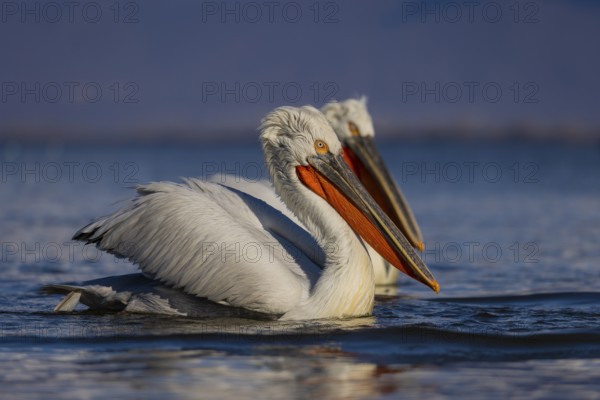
{"points": [[191, 236]]}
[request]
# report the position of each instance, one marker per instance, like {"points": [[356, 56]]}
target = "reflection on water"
{"points": [[323, 371], [314, 371]]}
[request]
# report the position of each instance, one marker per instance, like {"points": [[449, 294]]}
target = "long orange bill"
{"points": [[363, 157], [331, 178]]}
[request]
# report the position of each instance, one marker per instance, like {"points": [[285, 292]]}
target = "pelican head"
{"points": [[305, 155], [353, 125], [349, 118]]}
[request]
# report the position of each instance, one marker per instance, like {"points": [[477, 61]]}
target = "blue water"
{"points": [[512, 232]]}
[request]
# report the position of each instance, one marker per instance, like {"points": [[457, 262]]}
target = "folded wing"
{"points": [[213, 242]]}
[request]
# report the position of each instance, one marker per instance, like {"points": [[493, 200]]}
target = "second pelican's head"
{"points": [[353, 125], [302, 151]]}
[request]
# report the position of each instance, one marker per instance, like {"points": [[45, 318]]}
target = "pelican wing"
{"points": [[210, 241], [291, 228], [261, 189]]}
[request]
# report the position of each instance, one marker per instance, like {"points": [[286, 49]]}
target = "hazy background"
{"points": [[210, 70]]}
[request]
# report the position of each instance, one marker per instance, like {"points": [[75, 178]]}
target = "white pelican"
{"points": [[353, 126], [192, 236]]}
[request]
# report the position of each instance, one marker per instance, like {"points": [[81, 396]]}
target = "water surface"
{"points": [[512, 231]]}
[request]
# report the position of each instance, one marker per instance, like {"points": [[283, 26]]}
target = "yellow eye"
{"points": [[353, 129], [321, 147]]}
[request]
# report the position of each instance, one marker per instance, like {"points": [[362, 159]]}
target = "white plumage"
{"points": [[211, 241], [233, 249]]}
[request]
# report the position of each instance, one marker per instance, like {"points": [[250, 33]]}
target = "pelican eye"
{"points": [[353, 129], [321, 147]]}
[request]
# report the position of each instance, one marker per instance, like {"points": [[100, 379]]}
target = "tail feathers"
{"points": [[70, 301], [60, 289], [96, 297]]}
